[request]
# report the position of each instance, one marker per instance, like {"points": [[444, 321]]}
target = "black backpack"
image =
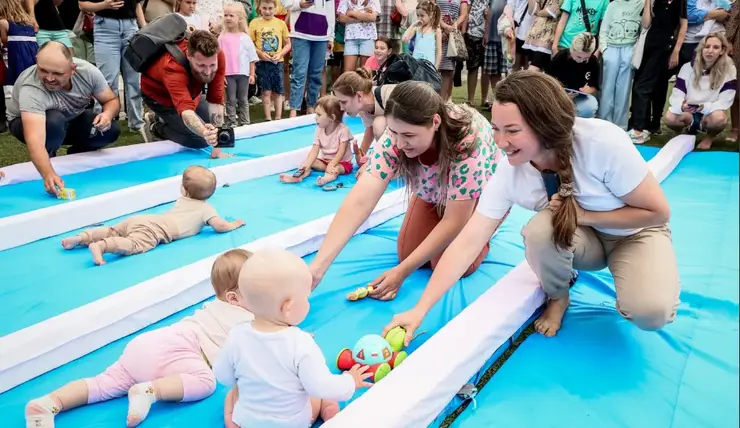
{"points": [[406, 67], [150, 42]]}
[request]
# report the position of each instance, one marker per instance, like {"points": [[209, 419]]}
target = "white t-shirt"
{"points": [[195, 22], [277, 373], [606, 166]]}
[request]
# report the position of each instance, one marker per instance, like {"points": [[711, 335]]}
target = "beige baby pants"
{"points": [[643, 265], [134, 235]]}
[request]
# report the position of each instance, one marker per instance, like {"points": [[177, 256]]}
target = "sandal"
{"points": [[332, 187]]}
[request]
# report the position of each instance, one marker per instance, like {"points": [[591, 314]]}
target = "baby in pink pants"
{"points": [[168, 364]]}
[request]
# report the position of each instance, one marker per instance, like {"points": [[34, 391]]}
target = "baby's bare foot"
{"points": [[289, 178], [96, 248], [71, 242], [549, 322], [705, 144]]}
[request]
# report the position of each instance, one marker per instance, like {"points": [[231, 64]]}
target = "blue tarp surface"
{"points": [[602, 371], [30, 195]]}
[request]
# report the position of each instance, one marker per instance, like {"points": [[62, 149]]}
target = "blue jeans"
{"points": [[586, 105], [616, 84], [111, 38], [75, 132], [308, 57]]}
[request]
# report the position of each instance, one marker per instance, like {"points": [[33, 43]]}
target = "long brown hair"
{"points": [[416, 103], [352, 82], [15, 11], [550, 113]]}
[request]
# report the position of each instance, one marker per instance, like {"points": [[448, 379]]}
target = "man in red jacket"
{"points": [[173, 91]]}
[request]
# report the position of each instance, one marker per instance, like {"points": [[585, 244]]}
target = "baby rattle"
{"points": [[67, 194], [361, 292]]}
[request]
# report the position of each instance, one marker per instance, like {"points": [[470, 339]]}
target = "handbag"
{"points": [[456, 49], [639, 48]]}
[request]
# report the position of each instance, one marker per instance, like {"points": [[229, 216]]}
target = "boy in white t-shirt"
{"points": [[280, 365]]}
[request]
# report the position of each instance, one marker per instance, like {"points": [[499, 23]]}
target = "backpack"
{"points": [[406, 67], [150, 43]]}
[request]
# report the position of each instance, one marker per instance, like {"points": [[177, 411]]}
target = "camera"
{"points": [[225, 137]]}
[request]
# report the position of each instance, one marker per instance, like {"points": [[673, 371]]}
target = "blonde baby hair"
{"points": [[199, 182]]}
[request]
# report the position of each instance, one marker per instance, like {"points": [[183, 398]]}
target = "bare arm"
{"points": [[559, 31], [457, 213], [110, 102], [216, 113], [647, 14], [340, 154], [367, 139], [4, 35], [438, 53], [409, 33], [345, 19], [355, 209], [140, 19], [193, 122], [231, 398], [646, 206], [311, 156], [221, 226], [91, 7], [457, 258], [363, 16], [34, 132], [464, 12]]}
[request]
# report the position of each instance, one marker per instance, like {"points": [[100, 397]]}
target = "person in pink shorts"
{"points": [[168, 364], [330, 153]]}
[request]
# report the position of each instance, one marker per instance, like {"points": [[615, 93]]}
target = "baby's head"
{"points": [[328, 111], [275, 285], [225, 276], [198, 183]]}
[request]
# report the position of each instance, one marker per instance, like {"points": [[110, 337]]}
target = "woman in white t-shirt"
{"points": [[609, 210]]}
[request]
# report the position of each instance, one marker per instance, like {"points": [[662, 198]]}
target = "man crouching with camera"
{"points": [[172, 89]]}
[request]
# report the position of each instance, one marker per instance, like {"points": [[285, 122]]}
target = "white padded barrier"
{"points": [[28, 227], [80, 162], [415, 393], [37, 349]]}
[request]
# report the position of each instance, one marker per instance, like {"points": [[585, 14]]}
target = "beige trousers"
{"points": [[643, 265], [134, 235]]}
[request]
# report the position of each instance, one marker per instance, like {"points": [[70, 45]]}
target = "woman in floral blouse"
{"points": [[446, 155]]}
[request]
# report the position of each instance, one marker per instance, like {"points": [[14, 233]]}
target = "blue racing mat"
{"points": [[336, 323], [30, 195], [602, 371], [66, 279]]}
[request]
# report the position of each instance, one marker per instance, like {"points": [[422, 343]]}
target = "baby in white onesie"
{"points": [[280, 365]]}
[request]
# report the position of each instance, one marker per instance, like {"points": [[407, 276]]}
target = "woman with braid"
{"points": [[608, 211]]}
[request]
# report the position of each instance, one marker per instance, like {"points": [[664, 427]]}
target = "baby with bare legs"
{"points": [[141, 233], [168, 364], [279, 367], [330, 152]]}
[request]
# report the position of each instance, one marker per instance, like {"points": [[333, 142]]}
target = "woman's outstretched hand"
{"points": [[409, 321], [317, 274], [386, 285]]}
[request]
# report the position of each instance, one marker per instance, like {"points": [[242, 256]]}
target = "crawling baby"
{"points": [[172, 363], [141, 233], [280, 372]]}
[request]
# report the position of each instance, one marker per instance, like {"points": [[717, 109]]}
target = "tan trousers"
{"points": [[643, 265], [135, 235]]}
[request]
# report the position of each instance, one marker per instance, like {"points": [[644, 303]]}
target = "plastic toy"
{"points": [[360, 293], [67, 194], [382, 354]]}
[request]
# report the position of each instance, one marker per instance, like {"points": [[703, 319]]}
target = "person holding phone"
{"points": [[609, 210], [704, 91], [580, 73]]}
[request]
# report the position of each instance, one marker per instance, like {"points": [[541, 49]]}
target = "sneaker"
{"points": [[255, 100], [639, 137], [146, 136]]}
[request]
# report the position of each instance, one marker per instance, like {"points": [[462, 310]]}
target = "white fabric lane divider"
{"points": [[419, 389], [37, 349], [21, 229], [80, 162]]}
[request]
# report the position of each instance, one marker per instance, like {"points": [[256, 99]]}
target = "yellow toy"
{"points": [[67, 194], [360, 293]]}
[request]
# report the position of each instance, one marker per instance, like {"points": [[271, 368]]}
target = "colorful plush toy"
{"points": [[67, 194], [360, 293], [382, 354]]}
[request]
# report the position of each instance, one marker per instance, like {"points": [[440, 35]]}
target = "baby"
{"points": [[277, 366], [141, 233], [168, 364]]}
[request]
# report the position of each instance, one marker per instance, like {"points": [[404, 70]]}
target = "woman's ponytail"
{"points": [[565, 219]]}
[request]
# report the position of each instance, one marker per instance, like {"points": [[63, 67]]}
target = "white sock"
{"points": [[140, 399], [43, 414]]}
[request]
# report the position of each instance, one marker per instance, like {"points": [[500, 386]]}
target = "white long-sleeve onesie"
{"points": [[277, 373], [712, 99]]}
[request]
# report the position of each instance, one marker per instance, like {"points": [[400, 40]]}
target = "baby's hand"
{"points": [[358, 374]]}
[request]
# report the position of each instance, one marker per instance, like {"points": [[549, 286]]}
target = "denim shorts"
{"points": [[270, 76], [359, 47]]}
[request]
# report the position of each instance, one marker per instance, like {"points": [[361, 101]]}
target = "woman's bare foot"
{"points": [[325, 179], [96, 249], [71, 242], [705, 144], [217, 153], [549, 322], [732, 138]]}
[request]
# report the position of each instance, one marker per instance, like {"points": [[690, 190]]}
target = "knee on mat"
{"points": [[648, 315]]}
